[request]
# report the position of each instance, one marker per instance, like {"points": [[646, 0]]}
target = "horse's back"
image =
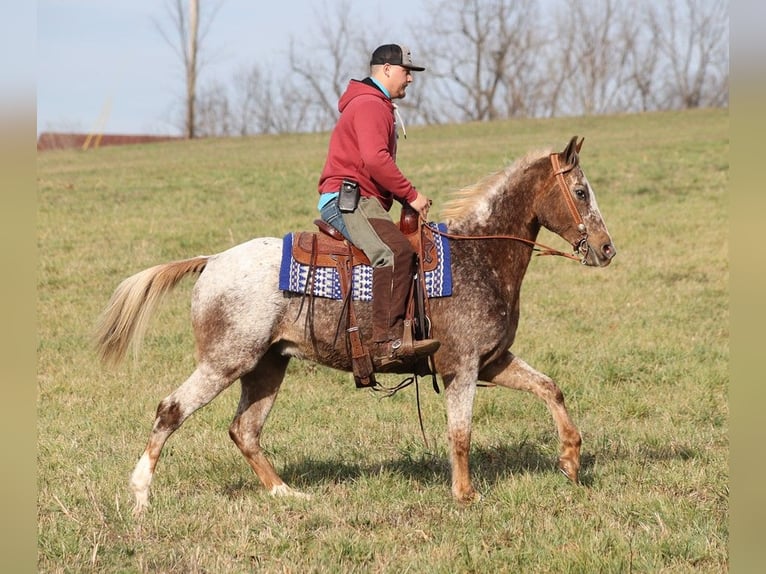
{"points": [[258, 257]]}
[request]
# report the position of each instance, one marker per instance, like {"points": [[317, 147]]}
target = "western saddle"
{"points": [[329, 248]]}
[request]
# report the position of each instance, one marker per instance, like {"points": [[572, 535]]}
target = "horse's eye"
{"points": [[581, 193]]}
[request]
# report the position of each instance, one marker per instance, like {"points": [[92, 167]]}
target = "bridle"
{"points": [[580, 246]]}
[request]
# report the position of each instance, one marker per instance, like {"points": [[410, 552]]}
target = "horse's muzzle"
{"points": [[598, 256]]}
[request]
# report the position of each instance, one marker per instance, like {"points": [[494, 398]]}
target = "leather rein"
{"points": [[580, 246]]}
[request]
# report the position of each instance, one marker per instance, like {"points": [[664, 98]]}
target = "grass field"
{"points": [[640, 350]]}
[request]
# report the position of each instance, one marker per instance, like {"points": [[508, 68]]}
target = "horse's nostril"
{"points": [[608, 250]]}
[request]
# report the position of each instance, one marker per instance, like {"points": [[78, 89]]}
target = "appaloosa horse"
{"points": [[245, 327]]}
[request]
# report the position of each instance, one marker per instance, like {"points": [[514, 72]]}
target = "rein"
{"points": [[558, 173], [543, 249]]}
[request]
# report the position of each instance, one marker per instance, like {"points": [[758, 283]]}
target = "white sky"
{"points": [[103, 65]]}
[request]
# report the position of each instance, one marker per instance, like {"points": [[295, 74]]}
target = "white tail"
{"points": [[126, 317]]}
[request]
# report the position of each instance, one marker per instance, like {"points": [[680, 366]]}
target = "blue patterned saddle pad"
{"points": [[326, 283]]}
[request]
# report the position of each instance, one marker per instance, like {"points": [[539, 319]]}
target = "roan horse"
{"points": [[245, 327]]}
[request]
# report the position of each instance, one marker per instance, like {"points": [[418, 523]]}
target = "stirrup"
{"points": [[399, 353]]}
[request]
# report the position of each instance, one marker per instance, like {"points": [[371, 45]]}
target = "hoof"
{"points": [[468, 498], [139, 508], [570, 469], [475, 497], [281, 490], [142, 501]]}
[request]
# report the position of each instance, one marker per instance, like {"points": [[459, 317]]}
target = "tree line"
{"points": [[486, 60]]}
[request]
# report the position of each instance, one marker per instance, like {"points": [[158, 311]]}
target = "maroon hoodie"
{"points": [[363, 147]]}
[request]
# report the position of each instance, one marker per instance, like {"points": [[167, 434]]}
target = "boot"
{"points": [[393, 344]]}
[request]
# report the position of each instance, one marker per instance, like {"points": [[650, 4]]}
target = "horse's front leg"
{"points": [[459, 392], [510, 371]]}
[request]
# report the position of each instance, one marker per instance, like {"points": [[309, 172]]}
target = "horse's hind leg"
{"points": [[197, 391], [259, 391], [511, 372]]}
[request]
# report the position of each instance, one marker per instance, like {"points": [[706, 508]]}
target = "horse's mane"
{"points": [[469, 199]]}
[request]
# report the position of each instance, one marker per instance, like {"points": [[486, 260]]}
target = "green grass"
{"points": [[640, 350]]}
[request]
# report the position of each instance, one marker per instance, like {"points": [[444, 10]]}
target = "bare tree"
{"points": [[324, 65], [491, 59], [481, 57], [302, 99], [523, 82], [254, 102], [264, 104], [498, 59], [589, 56], [190, 31], [642, 58], [693, 37], [213, 114]]}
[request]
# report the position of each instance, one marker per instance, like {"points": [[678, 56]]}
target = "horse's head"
{"points": [[571, 210]]}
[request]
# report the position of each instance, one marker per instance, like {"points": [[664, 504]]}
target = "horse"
{"points": [[246, 328]]}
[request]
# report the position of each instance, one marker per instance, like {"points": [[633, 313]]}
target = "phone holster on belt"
{"points": [[348, 198]]}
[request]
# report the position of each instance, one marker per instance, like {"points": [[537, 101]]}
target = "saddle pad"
{"points": [[293, 275]]}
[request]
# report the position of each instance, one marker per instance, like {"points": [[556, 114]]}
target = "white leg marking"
{"points": [[284, 490], [140, 481]]}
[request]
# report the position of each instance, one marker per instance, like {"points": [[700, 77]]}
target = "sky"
{"points": [[103, 65]]}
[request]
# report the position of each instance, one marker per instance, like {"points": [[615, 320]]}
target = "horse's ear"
{"points": [[579, 145], [570, 153]]}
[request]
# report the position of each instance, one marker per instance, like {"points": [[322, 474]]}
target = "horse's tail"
{"points": [[126, 317]]}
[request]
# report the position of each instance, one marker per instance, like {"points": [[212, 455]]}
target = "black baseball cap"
{"points": [[395, 54]]}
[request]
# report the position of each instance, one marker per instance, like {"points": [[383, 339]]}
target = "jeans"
{"points": [[332, 215]]}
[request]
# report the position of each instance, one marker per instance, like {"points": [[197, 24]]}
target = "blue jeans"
{"points": [[332, 215]]}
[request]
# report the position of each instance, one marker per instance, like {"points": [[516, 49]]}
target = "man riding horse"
{"points": [[358, 184]]}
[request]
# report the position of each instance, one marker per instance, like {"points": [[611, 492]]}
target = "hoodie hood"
{"points": [[361, 88]]}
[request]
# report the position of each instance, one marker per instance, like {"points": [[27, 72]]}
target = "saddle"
{"points": [[329, 248]]}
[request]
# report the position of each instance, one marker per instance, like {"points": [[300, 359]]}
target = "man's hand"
{"points": [[421, 205]]}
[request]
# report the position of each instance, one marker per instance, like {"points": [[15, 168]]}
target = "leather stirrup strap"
{"points": [[361, 362], [308, 292], [422, 304], [426, 311]]}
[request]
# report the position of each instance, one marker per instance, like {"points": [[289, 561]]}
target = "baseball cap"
{"points": [[394, 54]]}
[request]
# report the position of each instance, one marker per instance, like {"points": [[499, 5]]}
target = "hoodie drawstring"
{"points": [[399, 120]]}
